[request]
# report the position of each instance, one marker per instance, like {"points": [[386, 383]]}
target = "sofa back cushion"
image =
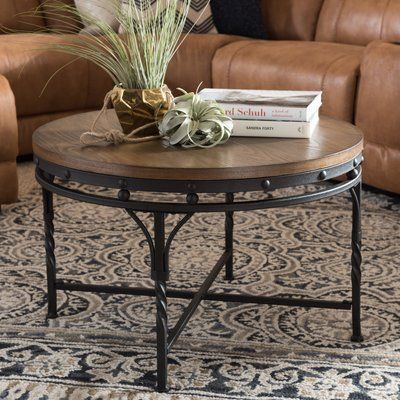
{"points": [[291, 19], [359, 21], [10, 20], [62, 22]]}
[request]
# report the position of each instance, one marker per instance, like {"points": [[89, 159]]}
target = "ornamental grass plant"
{"points": [[135, 56], [138, 58]]}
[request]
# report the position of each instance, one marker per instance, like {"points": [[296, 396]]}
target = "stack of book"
{"points": [[269, 113]]}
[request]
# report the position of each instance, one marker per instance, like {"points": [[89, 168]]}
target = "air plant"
{"points": [[193, 122]]}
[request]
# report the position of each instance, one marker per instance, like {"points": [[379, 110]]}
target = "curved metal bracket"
{"points": [[172, 235], [175, 231], [149, 238], [145, 231]]}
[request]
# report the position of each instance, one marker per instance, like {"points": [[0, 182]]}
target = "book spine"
{"points": [[277, 129], [264, 113]]}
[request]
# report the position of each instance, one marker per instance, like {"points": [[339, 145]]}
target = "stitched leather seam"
{"points": [[335, 29], [228, 76], [315, 28], [329, 67], [213, 57], [383, 17]]}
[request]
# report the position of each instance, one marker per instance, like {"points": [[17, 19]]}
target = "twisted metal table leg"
{"points": [[162, 335], [48, 216], [160, 276], [356, 259], [229, 224]]}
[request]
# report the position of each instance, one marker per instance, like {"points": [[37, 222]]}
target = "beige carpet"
{"points": [[102, 346]]}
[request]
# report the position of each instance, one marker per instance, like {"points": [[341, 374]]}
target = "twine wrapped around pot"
{"points": [[138, 111]]}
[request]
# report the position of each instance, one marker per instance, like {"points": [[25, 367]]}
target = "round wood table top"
{"points": [[334, 142]]}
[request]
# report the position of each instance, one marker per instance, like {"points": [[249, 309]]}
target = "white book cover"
{"points": [[266, 105], [277, 129]]}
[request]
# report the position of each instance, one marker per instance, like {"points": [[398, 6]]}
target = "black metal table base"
{"points": [[159, 245]]}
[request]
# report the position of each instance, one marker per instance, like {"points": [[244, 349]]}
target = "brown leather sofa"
{"points": [[342, 47]]}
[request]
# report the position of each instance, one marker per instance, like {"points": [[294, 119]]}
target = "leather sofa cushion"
{"points": [[81, 85], [291, 19], [9, 19], [191, 64], [359, 21], [289, 65]]}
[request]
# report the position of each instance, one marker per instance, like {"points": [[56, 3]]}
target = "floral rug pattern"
{"points": [[103, 346]]}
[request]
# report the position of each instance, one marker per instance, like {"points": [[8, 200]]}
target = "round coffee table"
{"points": [[242, 165]]}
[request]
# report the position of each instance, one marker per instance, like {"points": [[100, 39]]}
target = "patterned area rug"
{"points": [[103, 346]]}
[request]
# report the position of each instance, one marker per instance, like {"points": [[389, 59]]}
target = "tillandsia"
{"points": [[193, 122]]}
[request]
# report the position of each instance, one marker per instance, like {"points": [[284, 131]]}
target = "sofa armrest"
{"points": [[8, 122], [378, 115], [8, 144]]}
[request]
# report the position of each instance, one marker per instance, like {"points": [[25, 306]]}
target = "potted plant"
{"points": [[136, 56]]}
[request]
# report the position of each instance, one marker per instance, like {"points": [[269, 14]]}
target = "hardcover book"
{"points": [[275, 105], [277, 129]]}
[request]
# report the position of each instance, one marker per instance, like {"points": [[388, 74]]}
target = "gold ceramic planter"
{"points": [[138, 107]]}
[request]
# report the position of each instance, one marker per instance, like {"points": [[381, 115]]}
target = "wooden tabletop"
{"points": [[333, 143]]}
